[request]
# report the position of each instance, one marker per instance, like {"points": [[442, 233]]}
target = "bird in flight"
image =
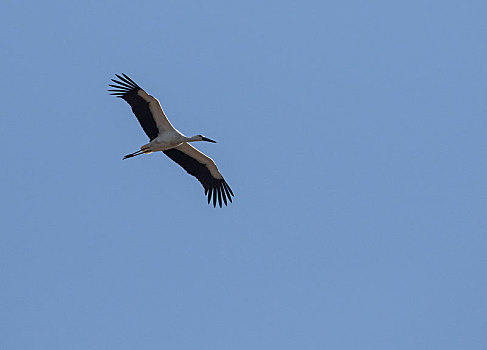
{"points": [[164, 137]]}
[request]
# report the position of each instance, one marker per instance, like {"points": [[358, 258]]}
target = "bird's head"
{"points": [[206, 139]]}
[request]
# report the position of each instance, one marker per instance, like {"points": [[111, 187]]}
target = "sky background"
{"points": [[353, 134]]}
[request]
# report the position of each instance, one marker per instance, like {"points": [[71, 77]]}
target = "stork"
{"points": [[164, 137]]}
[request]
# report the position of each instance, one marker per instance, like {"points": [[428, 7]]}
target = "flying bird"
{"points": [[164, 137]]}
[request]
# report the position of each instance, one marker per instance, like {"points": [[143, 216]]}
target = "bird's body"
{"points": [[164, 141], [164, 137]]}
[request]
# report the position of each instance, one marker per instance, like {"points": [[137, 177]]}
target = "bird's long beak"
{"points": [[207, 139]]}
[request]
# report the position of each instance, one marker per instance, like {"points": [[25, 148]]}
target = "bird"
{"points": [[164, 137]]}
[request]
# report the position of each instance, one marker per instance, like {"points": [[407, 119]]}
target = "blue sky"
{"points": [[352, 133]]}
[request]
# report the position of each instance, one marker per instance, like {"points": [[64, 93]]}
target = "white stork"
{"points": [[164, 137]]}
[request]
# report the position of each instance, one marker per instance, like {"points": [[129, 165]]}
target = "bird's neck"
{"points": [[193, 139]]}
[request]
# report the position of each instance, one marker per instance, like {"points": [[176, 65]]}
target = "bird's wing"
{"points": [[146, 108], [204, 169]]}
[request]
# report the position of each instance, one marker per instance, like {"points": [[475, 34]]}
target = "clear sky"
{"points": [[353, 134]]}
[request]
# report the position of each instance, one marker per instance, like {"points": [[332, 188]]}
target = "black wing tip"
{"points": [[219, 191], [125, 85]]}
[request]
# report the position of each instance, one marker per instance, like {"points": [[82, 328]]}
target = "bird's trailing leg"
{"points": [[138, 153], [144, 149]]}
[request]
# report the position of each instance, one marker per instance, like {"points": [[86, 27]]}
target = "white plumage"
{"points": [[164, 137]]}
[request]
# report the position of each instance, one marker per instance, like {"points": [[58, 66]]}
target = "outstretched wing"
{"points": [[146, 108], [204, 169]]}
